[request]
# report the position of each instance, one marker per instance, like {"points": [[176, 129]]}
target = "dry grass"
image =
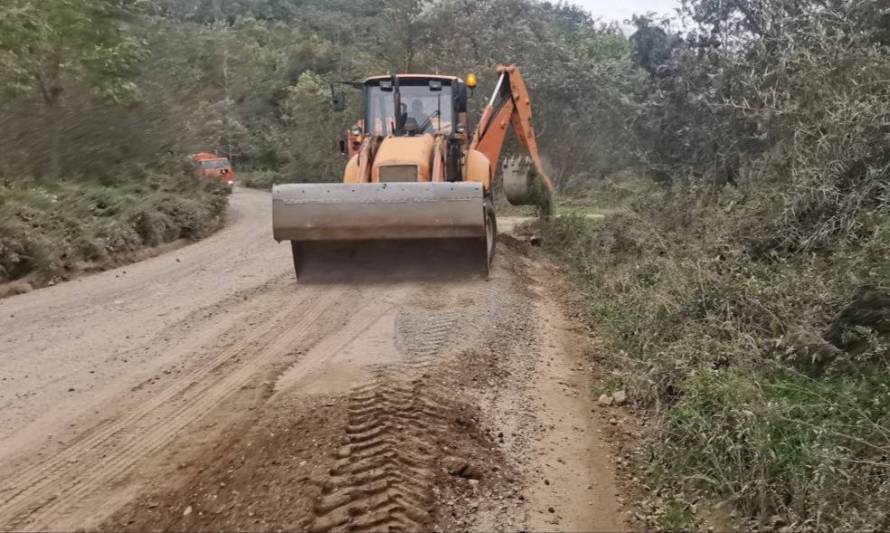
{"points": [[726, 346]]}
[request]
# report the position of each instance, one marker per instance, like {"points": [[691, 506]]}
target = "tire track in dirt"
{"points": [[193, 334], [44, 496], [384, 472], [370, 309], [446, 319], [427, 335]]}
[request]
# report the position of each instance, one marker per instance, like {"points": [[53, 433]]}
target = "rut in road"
{"points": [[425, 335], [41, 498], [401, 422], [384, 470]]}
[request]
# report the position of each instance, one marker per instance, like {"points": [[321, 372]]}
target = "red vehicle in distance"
{"points": [[210, 166]]}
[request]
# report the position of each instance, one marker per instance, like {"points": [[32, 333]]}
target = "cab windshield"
{"points": [[429, 109], [215, 163]]}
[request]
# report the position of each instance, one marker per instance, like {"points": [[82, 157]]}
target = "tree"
{"points": [[47, 44], [309, 129], [652, 44], [402, 33]]}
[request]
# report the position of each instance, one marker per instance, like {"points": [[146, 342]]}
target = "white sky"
{"points": [[619, 10]]}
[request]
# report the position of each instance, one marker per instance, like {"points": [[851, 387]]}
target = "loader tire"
{"points": [[491, 234], [298, 258]]}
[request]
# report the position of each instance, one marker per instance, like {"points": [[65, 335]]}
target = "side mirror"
{"points": [[460, 98], [343, 147], [338, 101]]}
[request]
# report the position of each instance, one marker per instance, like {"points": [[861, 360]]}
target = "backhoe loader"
{"points": [[416, 178]]}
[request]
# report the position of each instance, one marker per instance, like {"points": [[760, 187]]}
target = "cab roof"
{"points": [[414, 77]]}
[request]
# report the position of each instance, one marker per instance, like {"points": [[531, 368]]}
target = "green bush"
{"points": [[48, 229], [756, 406], [260, 179], [811, 449]]}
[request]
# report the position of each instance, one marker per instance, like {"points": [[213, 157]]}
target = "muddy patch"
{"points": [[381, 457], [251, 477], [403, 444]]}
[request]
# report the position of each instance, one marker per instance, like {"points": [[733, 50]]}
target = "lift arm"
{"points": [[509, 105]]}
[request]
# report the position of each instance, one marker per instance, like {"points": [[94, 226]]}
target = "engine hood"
{"points": [[403, 159]]}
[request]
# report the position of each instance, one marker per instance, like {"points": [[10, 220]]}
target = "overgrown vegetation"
{"points": [[88, 164], [48, 230], [260, 179], [249, 79], [746, 291]]}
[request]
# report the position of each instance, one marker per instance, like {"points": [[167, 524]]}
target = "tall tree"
{"points": [[46, 44], [402, 33]]}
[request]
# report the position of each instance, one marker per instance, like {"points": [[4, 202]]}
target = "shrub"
{"points": [[48, 229], [260, 179], [733, 351]]}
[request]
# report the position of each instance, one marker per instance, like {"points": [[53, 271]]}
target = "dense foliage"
{"points": [[249, 79], [746, 290], [52, 230]]}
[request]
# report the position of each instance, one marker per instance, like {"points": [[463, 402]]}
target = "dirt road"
{"points": [[205, 389]]}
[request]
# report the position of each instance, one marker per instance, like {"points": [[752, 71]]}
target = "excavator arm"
{"points": [[510, 105]]}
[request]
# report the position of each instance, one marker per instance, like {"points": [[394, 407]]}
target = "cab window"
{"points": [[428, 105]]}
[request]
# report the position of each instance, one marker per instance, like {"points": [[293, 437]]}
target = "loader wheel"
{"points": [[491, 233], [298, 259]]}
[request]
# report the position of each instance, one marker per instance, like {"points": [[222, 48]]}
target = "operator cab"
{"points": [[426, 105]]}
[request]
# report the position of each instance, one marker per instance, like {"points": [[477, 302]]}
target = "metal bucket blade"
{"points": [[377, 211]]}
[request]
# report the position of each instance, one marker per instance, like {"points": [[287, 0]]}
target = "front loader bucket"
{"points": [[383, 231]]}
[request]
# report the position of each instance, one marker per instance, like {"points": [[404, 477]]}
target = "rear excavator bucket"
{"points": [[381, 231], [523, 186]]}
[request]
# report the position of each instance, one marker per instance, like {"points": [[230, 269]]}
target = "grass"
{"points": [[259, 179], [730, 349], [675, 516], [50, 228]]}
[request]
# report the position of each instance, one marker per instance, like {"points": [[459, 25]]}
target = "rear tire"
{"points": [[298, 258], [491, 234]]}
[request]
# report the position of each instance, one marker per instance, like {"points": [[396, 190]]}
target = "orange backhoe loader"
{"points": [[416, 178]]}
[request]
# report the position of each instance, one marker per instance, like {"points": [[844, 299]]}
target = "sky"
{"points": [[620, 10]]}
